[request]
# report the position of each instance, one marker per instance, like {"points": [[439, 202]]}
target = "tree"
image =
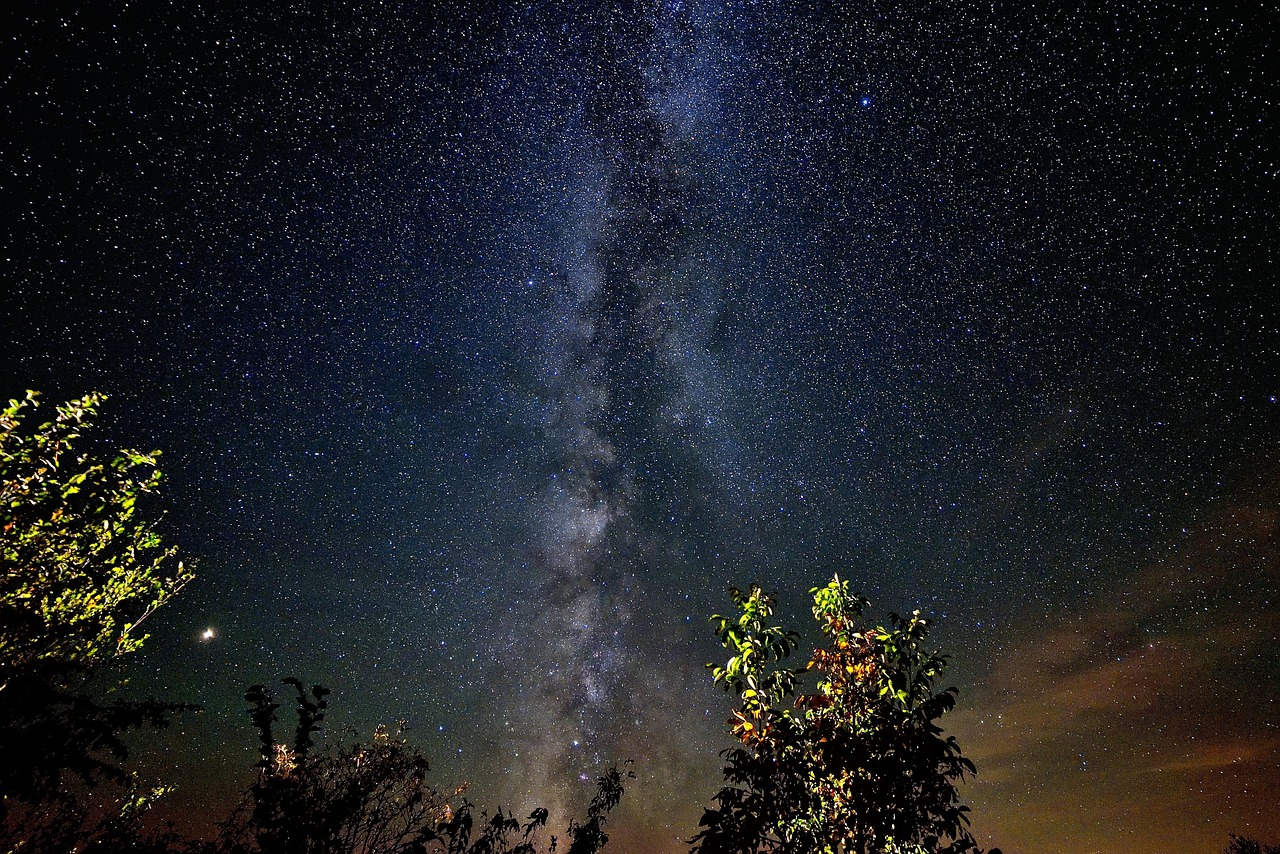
{"points": [[80, 570], [858, 765], [374, 797], [1247, 845]]}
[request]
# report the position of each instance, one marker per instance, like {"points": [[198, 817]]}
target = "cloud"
{"points": [[1161, 688], [1209, 757]]}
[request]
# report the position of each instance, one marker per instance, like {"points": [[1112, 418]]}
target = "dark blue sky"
{"points": [[487, 346]]}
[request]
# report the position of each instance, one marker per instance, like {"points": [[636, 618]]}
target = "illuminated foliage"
{"points": [[857, 765], [80, 571]]}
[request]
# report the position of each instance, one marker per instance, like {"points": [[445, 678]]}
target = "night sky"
{"points": [[488, 346]]}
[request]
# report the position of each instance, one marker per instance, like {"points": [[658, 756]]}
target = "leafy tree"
{"points": [[374, 796], [858, 765], [80, 570]]}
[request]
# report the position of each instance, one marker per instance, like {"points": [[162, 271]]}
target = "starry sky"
{"points": [[487, 344]]}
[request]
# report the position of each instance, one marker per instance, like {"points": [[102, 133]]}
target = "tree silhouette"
{"points": [[1247, 845], [79, 572], [374, 797]]}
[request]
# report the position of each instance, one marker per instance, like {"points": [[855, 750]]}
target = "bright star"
{"points": [[208, 634]]}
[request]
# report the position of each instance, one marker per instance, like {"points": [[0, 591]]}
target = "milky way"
{"points": [[618, 285]]}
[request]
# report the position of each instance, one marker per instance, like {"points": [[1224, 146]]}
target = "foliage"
{"points": [[66, 823], [589, 837], [858, 765], [1246, 845], [50, 732], [374, 796], [79, 571]]}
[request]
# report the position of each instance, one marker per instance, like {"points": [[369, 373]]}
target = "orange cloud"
{"points": [[1143, 720]]}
